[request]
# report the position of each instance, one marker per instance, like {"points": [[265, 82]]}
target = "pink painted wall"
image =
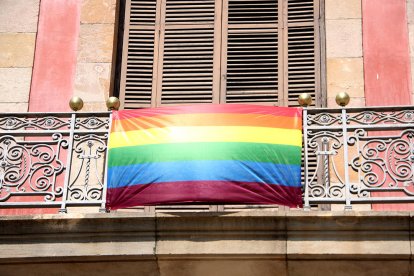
{"points": [[386, 63], [55, 55], [386, 52]]}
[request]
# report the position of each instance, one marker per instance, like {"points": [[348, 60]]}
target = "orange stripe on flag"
{"points": [[220, 119]]}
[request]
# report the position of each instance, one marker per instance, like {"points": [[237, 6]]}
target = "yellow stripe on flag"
{"points": [[206, 134]]}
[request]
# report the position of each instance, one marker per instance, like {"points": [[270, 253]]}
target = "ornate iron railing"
{"points": [[351, 156], [53, 159], [360, 155]]}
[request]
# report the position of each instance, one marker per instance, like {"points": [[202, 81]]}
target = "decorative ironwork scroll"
{"points": [[53, 160], [362, 155]]}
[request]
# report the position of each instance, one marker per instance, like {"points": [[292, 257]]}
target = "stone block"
{"points": [[222, 267], [355, 207], [345, 75], [16, 82], [94, 106], [340, 9], [14, 107], [348, 267], [19, 16], [411, 38], [412, 75], [344, 38], [92, 81], [302, 245], [354, 102], [17, 49], [83, 268], [96, 42], [209, 246], [410, 11], [98, 11]]}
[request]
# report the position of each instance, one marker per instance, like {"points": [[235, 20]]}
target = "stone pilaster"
{"points": [[344, 51], [95, 53], [18, 27]]}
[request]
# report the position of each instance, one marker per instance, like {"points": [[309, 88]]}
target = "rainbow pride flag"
{"points": [[245, 154]]}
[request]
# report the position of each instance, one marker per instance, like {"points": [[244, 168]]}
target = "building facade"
{"points": [[153, 53]]}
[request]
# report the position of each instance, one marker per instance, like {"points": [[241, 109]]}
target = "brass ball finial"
{"points": [[305, 99], [342, 99], [113, 103], [76, 103]]}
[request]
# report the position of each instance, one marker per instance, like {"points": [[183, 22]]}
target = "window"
{"points": [[220, 51]]}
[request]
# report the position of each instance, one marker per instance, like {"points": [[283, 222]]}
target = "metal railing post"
{"points": [[103, 209], [68, 164], [305, 149], [348, 205]]}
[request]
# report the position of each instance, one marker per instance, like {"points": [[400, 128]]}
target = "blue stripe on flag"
{"points": [[231, 170]]}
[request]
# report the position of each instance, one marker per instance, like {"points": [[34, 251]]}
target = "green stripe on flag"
{"points": [[258, 152]]}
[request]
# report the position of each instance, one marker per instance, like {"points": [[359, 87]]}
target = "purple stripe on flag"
{"points": [[224, 192]]}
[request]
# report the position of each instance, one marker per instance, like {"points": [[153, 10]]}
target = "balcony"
{"points": [[354, 158], [356, 161]]}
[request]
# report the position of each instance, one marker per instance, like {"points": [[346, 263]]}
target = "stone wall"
{"points": [[344, 58], [18, 27], [95, 53]]}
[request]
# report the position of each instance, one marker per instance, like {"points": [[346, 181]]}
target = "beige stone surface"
{"points": [[205, 246], [411, 38], [94, 106], [355, 207], [412, 76], [354, 102], [19, 16], [348, 267], [15, 84], [86, 268], [98, 11], [95, 43], [92, 81], [14, 107], [242, 267], [342, 9], [344, 38], [17, 49], [410, 11], [345, 75], [410, 17], [64, 247], [334, 244]]}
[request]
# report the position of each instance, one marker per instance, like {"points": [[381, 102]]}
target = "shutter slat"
{"points": [[300, 11], [143, 12], [189, 12]]}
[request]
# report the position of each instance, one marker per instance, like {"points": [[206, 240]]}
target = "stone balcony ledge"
{"points": [[174, 243]]}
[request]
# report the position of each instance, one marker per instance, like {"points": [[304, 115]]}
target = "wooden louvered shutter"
{"points": [[188, 70], [302, 58], [140, 52], [220, 51], [250, 51], [270, 51]]}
